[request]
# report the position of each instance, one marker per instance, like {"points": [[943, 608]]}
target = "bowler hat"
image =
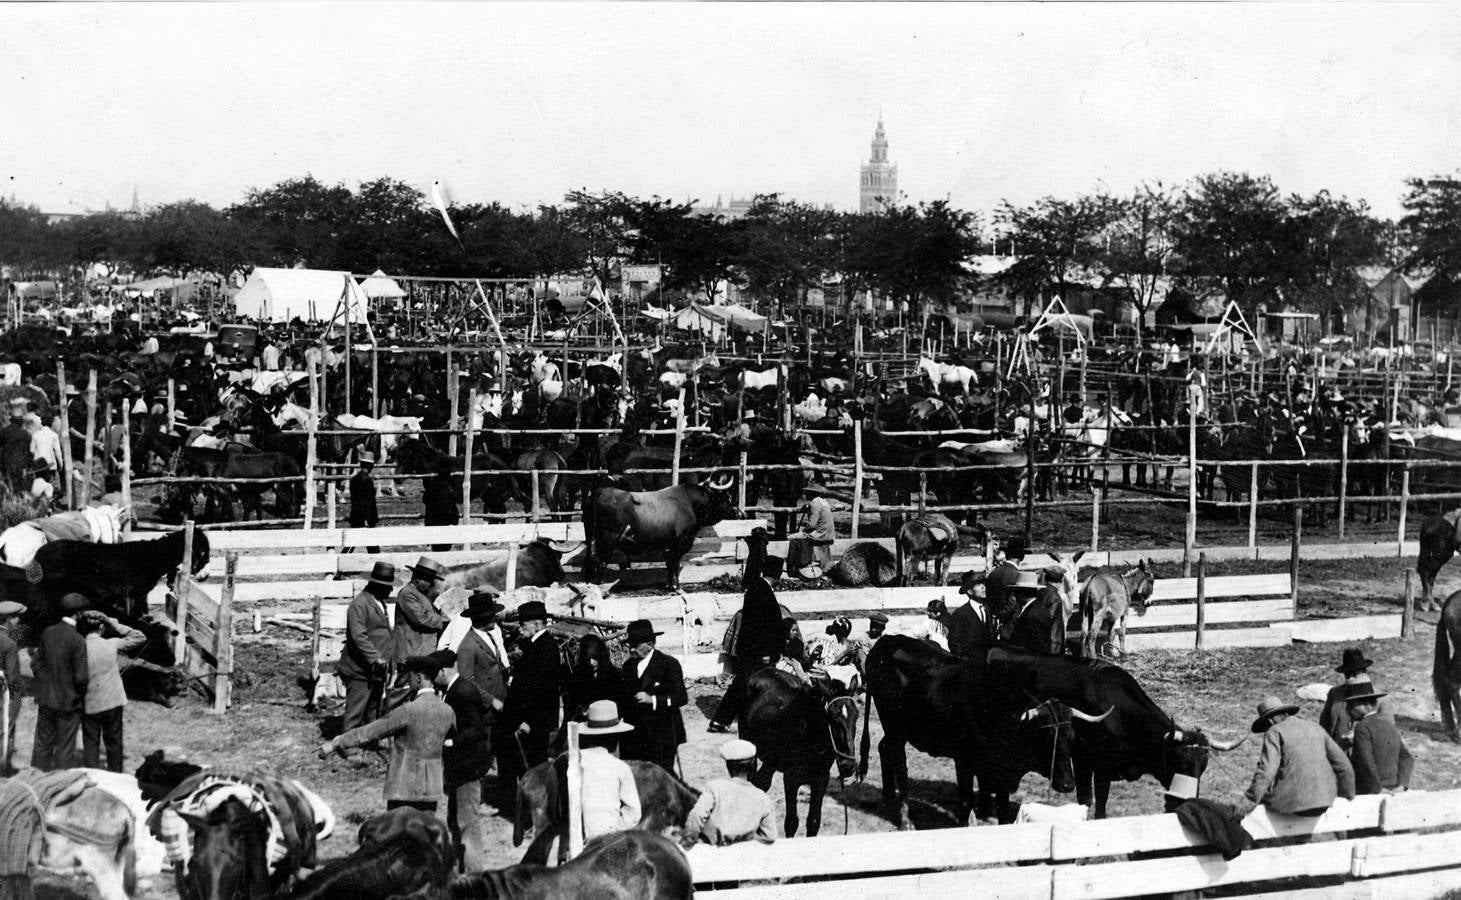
{"points": [[533, 611], [639, 632], [1014, 548], [73, 602], [1270, 707], [482, 603], [1363, 690], [737, 750], [430, 567], [446, 659], [11, 608], [970, 580], [603, 718], [1353, 661], [383, 573]]}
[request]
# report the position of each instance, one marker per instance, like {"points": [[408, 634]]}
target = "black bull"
{"points": [[1137, 738], [985, 719], [624, 865], [664, 521]]}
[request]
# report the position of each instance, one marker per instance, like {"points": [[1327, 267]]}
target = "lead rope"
{"points": [[832, 739]]}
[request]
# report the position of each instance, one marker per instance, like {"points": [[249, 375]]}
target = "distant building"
{"points": [[736, 209], [879, 186]]}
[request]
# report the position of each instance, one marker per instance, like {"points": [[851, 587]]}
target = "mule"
{"points": [[1108, 598], [800, 732], [931, 536], [624, 865], [229, 859]]}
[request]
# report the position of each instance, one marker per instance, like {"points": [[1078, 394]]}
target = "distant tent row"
{"points": [[279, 295], [717, 321]]}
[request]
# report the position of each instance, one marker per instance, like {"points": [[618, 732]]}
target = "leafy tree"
{"points": [[601, 222], [786, 247], [300, 220], [1234, 227], [25, 239], [387, 226], [1432, 222], [1140, 244], [178, 237], [1330, 238], [99, 237], [1050, 238]]}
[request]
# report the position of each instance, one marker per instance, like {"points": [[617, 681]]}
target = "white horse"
{"points": [[940, 374], [812, 409], [292, 415], [756, 381], [389, 428]]}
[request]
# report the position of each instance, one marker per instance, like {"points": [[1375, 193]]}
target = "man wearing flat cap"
{"points": [[417, 621], [367, 652], [418, 729], [1300, 768], [10, 613], [61, 679], [532, 698], [653, 690], [731, 810]]}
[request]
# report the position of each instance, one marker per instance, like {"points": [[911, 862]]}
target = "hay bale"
{"points": [[865, 563]]}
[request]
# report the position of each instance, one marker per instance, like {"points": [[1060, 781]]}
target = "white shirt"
{"points": [[492, 637], [639, 669]]}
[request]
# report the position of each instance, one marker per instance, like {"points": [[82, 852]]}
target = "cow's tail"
{"points": [[1440, 666], [865, 748]]}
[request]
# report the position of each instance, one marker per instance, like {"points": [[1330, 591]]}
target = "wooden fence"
{"points": [[203, 646], [1403, 846]]}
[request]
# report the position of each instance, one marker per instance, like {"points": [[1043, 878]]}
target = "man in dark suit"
{"points": [[482, 654], [465, 758], [440, 495], [653, 690], [1000, 584], [532, 697], [1030, 630], [367, 650], [759, 641], [60, 686], [363, 513], [970, 629]]}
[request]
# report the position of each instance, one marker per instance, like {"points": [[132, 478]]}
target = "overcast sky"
{"points": [[521, 103]]}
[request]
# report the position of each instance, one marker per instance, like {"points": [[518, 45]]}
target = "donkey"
{"points": [[931, 536], [1108, 598]]}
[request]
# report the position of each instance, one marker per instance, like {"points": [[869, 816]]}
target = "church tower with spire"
{"points": [[879, 188]]}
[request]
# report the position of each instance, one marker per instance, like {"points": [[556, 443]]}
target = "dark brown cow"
{"points": [[624, 865], [652, 522]]}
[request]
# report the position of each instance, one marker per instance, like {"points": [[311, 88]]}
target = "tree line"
{"points": [[1226, 233]]}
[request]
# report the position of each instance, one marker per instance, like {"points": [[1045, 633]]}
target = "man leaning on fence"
{"points": [[1301, 770]]}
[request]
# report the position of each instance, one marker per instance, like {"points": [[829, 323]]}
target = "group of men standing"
{"points": [[455, 700]]}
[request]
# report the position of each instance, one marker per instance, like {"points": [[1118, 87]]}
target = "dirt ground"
{"points": [[268, 726]]}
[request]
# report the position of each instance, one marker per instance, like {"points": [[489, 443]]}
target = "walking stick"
{"points": [[4, 723]]}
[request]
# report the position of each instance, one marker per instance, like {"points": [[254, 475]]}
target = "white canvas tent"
{"points": [[278, 295], [715, 321], [380, 286]]}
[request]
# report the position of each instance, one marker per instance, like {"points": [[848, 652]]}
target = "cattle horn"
{"points": [[1225, 746], [1087, 717], [721, 482]]}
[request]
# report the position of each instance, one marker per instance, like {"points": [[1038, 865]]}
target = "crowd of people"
{"points": [[458, 703]]}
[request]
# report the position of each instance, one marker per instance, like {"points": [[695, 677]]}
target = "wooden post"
{"points": [[1407, 614], [469, 434], [62, 426], [311, 447], [453, 397], [375, 379], [172, 403], [1253, 512], [1191, 542], [1084, 353], [331, 490], [1029, 469], [679, 439], [536, 515], [223, 649], [89, 460], [857, 478], [575, 793], [1096, 491], [1201, 600], [741, 487], [1404, 508], [1343, 474], [127, 464], [922, 491], [509, 578], [315, 617], [183, 588], [1294, 544]]}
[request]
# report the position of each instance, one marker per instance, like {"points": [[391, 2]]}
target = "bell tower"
{"points": [[879, 187]]}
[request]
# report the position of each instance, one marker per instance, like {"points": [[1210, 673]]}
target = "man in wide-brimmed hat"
{"points": [[653, 687], [971, 628], [1382, 763], [999, 585], [610, 795], [532, 698], [365, 658], [417, 621], [1334, 718], [1300, 768], [759, 641]]}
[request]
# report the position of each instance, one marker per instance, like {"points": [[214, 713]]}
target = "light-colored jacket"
{"points": [[610, 797], [104, 689], [419, 729], [1300, 769], [731, 810]]}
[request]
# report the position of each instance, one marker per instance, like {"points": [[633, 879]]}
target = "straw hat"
{"points": [[603, 718], [430, 567]]}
